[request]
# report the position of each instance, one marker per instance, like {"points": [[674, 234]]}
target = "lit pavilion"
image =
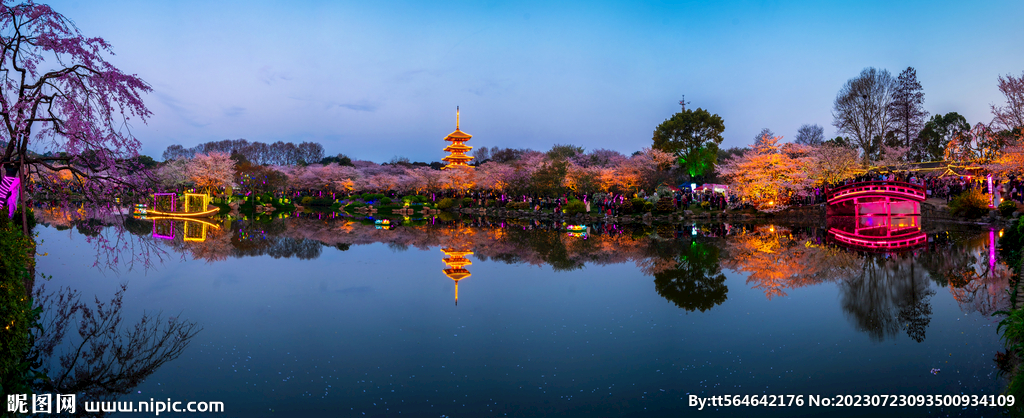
{"points": [[457, 150], [456, 261]]}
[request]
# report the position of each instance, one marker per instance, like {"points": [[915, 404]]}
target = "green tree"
{"points": [[564, 152], [693, 136], [938, 132], [339, 159], [550, 177]]}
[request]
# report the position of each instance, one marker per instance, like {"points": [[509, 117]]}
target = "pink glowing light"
{"points": [[174, 200]]}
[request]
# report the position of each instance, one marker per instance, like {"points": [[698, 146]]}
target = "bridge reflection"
{"points": [[878, 232], [194, 230]]}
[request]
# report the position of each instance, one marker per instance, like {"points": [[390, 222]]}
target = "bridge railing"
{"points": [[877, 187]]}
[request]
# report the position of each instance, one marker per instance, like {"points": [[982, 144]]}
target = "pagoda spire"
{"points": [[456, 118]]}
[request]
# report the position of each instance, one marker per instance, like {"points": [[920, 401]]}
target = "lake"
{"points": [[321, 315]]}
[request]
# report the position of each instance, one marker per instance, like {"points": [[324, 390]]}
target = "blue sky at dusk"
{"points": [[375, 80]]}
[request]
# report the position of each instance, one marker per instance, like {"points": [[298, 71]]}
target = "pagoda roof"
{"points": [[457, 273], [457, 157], [458, 134], [457, 147], [457, 262], [456, 164]]}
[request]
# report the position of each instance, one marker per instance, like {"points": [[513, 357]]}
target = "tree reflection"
{"points": [[775, 259], [696, 281], [889, 294], [88, 349], [883, 294]]}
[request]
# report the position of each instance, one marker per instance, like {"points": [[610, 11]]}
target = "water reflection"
{"points": [[693, 279], [194, 230], [885, 290], [887, 295], [879, 224], [456, 262], [88, 349]]}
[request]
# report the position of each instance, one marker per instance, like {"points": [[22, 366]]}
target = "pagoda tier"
{"points": [[456, 262], [457, 150]]}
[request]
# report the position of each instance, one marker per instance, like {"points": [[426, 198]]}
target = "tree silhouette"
{"points": [[103, 358], [696, 282]]}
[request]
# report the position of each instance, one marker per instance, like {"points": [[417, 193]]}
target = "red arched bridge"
{"points": [[877, 215], [876, 197]]}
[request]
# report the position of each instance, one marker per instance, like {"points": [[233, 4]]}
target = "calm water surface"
{"points": [[312, 317]]}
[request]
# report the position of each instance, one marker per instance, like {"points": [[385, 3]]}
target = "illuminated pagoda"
{"points": [[457, 150], [456, 261]]}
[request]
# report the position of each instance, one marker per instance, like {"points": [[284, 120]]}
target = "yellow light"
{"points": [[1000, 233]]}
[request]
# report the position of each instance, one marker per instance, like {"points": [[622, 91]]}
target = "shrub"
{"points": [[446, 203], [626, 207], [664, 205], [1007, 208], [970, 204], [518, 205], [1011, 330], [705, 205], [385, 200], [15, 308], [326, 201], [638, 203], [648, 206], [467, 201], [351, 207], [1011, 244], [574, 207]]}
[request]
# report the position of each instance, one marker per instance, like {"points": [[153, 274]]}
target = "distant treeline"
{"points": [[278, 153]]}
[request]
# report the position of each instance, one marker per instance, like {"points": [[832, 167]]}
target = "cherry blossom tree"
{"points": [[643, 169], [1011, 158], [584, 179], [766, 177], [426, 179], [893, 158], [831, 164], [259, 179], [981, 144], [173, 174], [459, 179], [58, 92], [493, 176], [1010, 116], [212, 171]]}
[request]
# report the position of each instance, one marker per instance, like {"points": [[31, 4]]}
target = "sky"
{"points": [[381, 79]]}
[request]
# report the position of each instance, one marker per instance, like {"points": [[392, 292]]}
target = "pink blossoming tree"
{"points": [[58, 93]]}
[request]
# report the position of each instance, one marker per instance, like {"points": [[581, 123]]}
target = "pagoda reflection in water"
{"points": [[456, 262], [879, 226]]}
